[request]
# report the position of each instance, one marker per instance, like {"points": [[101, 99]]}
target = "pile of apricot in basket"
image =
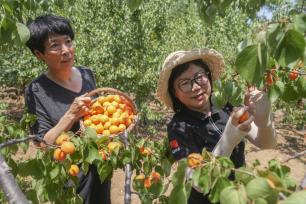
{"points": [[109, 115]]}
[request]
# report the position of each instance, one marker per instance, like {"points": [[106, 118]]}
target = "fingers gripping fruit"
{"points": [[110, 115], [194, 160], [74, 170], [245, 116]]}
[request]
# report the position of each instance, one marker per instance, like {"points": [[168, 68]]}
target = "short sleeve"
{"points": [[33, 104]]}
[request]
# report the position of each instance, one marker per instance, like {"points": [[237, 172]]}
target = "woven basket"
{"points": [[95, 94]]}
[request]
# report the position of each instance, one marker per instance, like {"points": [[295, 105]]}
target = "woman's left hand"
{"points": [[259, 106]]}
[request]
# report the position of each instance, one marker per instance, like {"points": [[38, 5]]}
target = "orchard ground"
{"points": [[290, 142]]}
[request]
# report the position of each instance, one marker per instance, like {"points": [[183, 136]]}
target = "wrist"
{"points": [[67, 117], [264, 123]]}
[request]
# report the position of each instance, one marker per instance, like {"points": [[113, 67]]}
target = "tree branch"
{"points": [[294, 156], [8, 184], [30, 137]]}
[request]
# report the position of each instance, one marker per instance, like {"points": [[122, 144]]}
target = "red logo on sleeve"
{"points": [[174, 144]]}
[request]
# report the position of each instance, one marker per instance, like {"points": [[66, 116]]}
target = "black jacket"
{"points": [[190, 131]]}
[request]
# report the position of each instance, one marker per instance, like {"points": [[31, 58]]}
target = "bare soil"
{"points": [[290, 142]]}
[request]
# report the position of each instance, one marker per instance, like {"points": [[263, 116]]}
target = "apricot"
{"points": [[293, 75], [99, 128], [147, 182], [194, 160], [106, 133], [59, 155], [146, 151], [140, 177], [87, 122], [102, 99], [62, 138], [269, 79], [68, 147], [270, 183], [121, 127], [113, 145], [74, 170], [155, 176], [245, 116], [113, 129], [111, 109], [103, 154]]}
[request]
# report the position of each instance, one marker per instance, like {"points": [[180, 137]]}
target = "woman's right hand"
{"points": [[79, 107], [242, 119]]}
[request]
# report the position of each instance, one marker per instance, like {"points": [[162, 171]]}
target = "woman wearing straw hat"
{"points": [[185, 86]]}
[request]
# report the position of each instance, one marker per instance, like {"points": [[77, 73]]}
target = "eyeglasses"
{"points": [[58, 46], [200, 79]]}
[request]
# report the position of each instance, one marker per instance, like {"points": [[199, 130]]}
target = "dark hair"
{"points": [[43, 26], [178, 71]]}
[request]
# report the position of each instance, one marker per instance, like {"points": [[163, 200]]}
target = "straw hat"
{"points": [[211, 57]]}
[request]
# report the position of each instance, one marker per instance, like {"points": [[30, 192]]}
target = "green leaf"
{"points": [[258, 188], [104, 169], [178, 177], [251, 63], [133, 4], [91, 153], [260, 201], [276, 91], [214, 195], [296, 198], [243, 177], [300, 22], [233, 195], [166, 166], [33, 167], [54, 172], [23, 32], [274, 36], [291, 48], [290, 93], [218, 100], [301, 84], [90, 133], [178, 195]]}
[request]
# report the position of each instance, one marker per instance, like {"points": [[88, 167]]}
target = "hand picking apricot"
{"points": [[245, 116], [68, 147], [59, 155], [74, 170], [62, 138]]}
